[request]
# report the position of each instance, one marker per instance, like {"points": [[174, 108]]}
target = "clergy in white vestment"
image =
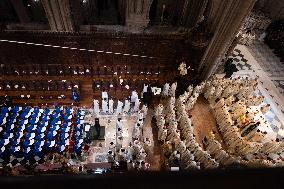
{"points": [[136, 106], [145, 89], [110, 106], [96, 107], [166, 89], [119, 124], [104, 95], [134, 96], [104, 106], [173, 88], [126, 106], [119, 107]]}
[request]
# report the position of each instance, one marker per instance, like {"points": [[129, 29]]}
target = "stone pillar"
{"points": [[65, 10], [137, 14], [21, 11], [77, 16], [228, 19], [192, 12], [59, 15], [122, 11]]}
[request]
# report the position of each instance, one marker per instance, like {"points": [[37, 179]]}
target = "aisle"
{"points": [[150, 131], [204, 120]]}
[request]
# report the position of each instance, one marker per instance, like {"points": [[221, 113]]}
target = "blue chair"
{"points": [[26, 143], [49, 136]]}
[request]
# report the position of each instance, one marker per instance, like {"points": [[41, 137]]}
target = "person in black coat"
{"points": [[230, 68]]}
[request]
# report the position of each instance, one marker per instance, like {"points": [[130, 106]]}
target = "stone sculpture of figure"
{"points": [[96, 107]]}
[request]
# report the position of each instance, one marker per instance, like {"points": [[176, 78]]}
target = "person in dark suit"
{"points": [[97, 127], [147, 97]]}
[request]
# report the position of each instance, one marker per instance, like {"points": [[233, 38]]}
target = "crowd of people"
{"points": [[243, 125], [30, 134], [107, 105], [176, 131], [240, 116], [133, 156]]}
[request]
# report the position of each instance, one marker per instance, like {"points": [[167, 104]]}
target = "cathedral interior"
{"points": [[106, 87]]}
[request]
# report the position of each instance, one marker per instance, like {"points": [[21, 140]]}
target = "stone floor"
{"points": [[259, 60], [204, 121]]}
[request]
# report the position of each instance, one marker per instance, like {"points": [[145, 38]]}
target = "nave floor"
{"points": [[204, 120]]}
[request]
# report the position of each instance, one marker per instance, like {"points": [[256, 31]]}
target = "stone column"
{"points": [[65, 10], [77, 16], [21, 11], [193, 12], [137, 14], [122, 11], [59, 15], [49, 14], [228, 19]]}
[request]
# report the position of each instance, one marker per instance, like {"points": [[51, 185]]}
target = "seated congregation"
{"points": [[29, 134]]}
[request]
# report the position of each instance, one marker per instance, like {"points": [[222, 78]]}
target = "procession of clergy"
{"points": [[133, 155], [240, 117]]}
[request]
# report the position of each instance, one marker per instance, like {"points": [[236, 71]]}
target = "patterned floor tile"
{"points": [[266, 62]]}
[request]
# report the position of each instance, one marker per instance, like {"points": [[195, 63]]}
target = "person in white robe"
{"points": [[104, 95], [134, 96], [104, 106], [173, 88], [166, 89], [110, 106], [126, 106], [265, 109], [136, 105], [119, 107], [145, 88]]}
